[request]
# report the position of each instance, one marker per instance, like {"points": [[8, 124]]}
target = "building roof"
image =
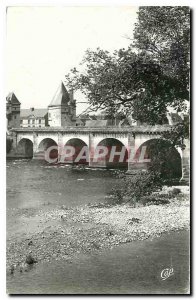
{"points": [[84, 117], [79, 121], [96, 123], [128, 121], [37, 112], [61, 96], [11, 97]]}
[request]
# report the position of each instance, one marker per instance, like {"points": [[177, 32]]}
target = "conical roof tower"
{"points": [[11, 97], [62, 110], [61, 97]]}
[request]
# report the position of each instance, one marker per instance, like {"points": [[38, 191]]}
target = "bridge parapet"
{"points": [[135, 129]]}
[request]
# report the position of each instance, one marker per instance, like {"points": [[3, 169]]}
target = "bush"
{"points": [[135, 187], [175, 192], [152, 200]]}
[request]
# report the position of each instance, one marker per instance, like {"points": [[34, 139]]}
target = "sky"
{"points": [[44, 43]]}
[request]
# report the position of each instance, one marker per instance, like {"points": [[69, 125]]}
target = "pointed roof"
{"points": [[61, 96], [11, 97]]}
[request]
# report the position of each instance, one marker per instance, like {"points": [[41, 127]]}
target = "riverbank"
{"points": [[131, 268], [62, 233]]}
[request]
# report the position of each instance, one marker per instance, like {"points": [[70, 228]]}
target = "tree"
{"points": [[124, 82], [164, 33], [146, 78]]}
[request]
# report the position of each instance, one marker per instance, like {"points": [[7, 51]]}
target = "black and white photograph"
{"points": [[97, 114]]}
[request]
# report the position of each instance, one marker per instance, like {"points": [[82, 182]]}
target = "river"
{"points": [[127, 269], [32, 183]]}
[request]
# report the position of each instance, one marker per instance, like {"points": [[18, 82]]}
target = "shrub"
{"points": [[152, 200], [175, 191], [134, 187]]}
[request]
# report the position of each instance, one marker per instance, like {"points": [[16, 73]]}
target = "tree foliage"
{"points": [[146, 78], [164, 158], [164, 33], [178, 133]]}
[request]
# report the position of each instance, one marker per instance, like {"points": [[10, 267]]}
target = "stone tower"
{"points": [[12, 111], [62, 109]]}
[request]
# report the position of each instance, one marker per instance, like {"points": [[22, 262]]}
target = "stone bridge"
{"points": [[31, 142]]}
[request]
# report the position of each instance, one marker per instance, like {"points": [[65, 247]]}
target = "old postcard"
{"points": [[98, 150]]}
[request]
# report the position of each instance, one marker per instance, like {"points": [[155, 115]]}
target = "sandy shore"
{"points": [[62, 233]]}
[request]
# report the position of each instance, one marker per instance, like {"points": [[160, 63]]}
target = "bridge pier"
{"points": [[186, 162], [35, 145], [60, 145], [92, 148], [135, 162]]}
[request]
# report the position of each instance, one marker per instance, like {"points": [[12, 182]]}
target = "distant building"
{"points": [[62, 109], [79, 122], [61, 112], [34, 117], [82, 119], [128, 121], [97, 123], [12, 111]]}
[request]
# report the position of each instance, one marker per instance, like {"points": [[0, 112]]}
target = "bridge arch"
{"points": [[162, 155], [45, 145], [115, 156], [25, 148], [76, 151], [24, 136]]}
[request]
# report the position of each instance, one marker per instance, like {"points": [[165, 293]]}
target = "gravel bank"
{"points": [[64, 232]]}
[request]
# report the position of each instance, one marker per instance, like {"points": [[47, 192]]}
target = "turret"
{"points": [[12, 111], [61, 110]]}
